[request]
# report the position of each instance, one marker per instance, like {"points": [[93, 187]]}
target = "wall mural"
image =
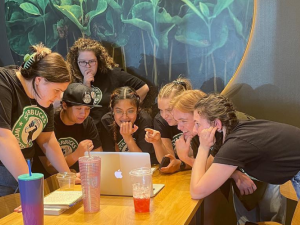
{"points": [[156, 39]]}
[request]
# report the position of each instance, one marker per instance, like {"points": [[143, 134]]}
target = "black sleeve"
{"points": [[50, 113], [91, 132], [237, 152], [162, 126], [107, 121], [130, 80], [5, 104], [195, 143], [106, 133], [145, 121]]}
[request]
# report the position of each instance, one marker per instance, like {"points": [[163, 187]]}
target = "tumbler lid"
{"points": [[34, 176]]}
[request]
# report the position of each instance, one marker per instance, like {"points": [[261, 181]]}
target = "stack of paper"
{"points": [[59, 201]]}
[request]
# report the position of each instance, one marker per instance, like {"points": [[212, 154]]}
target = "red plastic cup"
{"points": [[141, 188]]}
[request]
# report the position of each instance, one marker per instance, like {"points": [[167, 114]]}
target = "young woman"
{"points": [[91, 65], [74, 129], [26, 114], [165, 131], [126, 123], [265, 150]]}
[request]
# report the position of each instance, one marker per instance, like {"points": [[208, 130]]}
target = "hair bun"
{"points": [[40, 51]]}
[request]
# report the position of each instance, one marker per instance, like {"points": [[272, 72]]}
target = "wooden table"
{"points": [[172, 205]]}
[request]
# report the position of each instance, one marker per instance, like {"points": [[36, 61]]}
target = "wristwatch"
{"points": [[182, 166]]}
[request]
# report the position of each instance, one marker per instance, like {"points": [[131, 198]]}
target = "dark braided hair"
{"points": [[119, 94], [215, 106]]}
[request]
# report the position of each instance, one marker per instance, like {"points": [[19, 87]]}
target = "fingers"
{"points": [[149, 130], [170, 156], [18, 209], [188, 140], [151, 135], [135, 128], [127, 128]]}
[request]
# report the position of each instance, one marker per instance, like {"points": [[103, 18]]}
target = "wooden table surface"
{"points": [[172, 205]]}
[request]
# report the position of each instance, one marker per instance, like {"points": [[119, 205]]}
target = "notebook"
{"points": [[59, 201], [62, 198], [115, 168]]}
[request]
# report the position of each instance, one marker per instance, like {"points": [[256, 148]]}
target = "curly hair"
{"points": [[174, 88], [105, 62], [119, 94], [216, 106], [186, 101], [46, 64]]}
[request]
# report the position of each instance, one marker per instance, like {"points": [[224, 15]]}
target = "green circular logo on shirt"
{"points": [[98, 95], [68, 145], [29, 125], [123, 146], [175, 138]]}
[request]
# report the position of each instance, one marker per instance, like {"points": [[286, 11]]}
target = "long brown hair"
{"points": [[46, 64], [118, 95], [105, 62]]}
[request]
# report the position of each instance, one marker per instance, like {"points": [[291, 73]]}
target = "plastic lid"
{"points": [[34, 176], [66, 175], [141, 171], [87, 158]]}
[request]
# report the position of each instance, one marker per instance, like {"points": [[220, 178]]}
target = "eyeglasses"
{"points": [[129, 113], [85, 63]]}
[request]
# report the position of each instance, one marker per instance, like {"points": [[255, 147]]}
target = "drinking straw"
{"points": [[29, 166], [89, 154]]}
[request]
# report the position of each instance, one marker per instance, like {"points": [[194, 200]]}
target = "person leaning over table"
{"points": [[26, 114], [165, 131], [267, 194], [126, 123], [264, 149], [74, 129], [91, 64]]}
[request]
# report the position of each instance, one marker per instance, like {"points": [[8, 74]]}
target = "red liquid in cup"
{"points": [[141, 205]]}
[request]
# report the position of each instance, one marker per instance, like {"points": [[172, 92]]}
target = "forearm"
{"points": [[188, 160], [142, 92], [47, 165], [72, 158], [131, 144], [11, 155], [161, 150], [54, 154], [198, 170]]}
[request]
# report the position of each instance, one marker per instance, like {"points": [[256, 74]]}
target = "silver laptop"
{"points": [[115, 168]]}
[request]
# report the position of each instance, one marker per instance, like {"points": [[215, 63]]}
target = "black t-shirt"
{"points": [[172, 133], [69, 137], [105, 84], [20, 114], [143, 121], [266, 150]]}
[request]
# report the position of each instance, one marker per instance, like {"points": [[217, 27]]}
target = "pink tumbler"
{"points": [[90, 170]]}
